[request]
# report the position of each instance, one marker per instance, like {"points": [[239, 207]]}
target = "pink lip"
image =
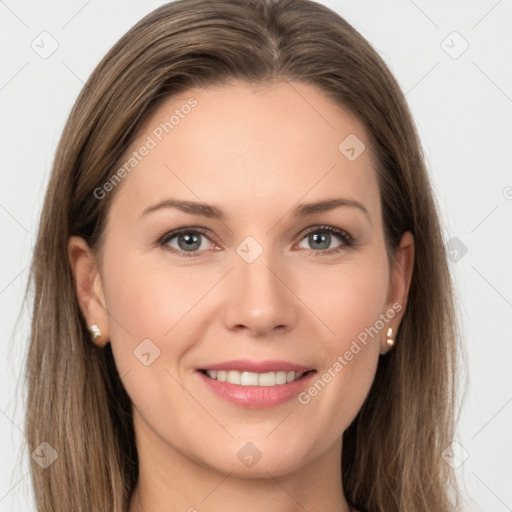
{"points": [[246, 365], [257, 397]]}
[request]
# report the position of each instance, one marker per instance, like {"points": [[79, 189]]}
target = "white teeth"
{"points": [[233, 377], [280, 377], [254, 379], [249, 379], [267, 379]]}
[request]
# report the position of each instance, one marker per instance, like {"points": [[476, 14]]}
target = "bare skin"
{"points": [[254, 153]]}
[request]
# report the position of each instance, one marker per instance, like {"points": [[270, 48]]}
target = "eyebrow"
{"points": [[191, 207], [302, 210]]}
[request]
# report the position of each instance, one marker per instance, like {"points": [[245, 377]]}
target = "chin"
{"points": [[256, 459]]}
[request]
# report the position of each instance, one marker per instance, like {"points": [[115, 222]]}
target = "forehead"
{"points": [[251, 146]]}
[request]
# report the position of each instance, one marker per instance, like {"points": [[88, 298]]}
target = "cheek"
{"points": [[348, 298], [350, 304], [149, 304], [150, 298]]}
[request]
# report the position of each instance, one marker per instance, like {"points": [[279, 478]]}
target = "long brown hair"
{"points": [[392, 452]]}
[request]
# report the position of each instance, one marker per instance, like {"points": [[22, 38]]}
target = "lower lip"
{"points": [[257, 397]]}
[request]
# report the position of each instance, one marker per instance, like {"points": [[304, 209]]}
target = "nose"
{"points": [[260, 299]]}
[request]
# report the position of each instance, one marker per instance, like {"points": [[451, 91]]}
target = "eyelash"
{"points": [[347, 239]]}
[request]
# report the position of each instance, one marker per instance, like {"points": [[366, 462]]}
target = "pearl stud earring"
{"points": [[95, 332], [390, 341]]}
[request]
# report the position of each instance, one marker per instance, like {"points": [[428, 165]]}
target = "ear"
{"points": [[399, 284], [89, 288]]}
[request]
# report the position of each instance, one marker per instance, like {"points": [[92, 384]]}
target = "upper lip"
{"points": [[247, 365]]}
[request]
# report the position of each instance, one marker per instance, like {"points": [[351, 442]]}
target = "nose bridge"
{"points": [[260, 300]]}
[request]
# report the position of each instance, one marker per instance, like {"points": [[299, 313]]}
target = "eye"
{"points": [[321, 237], [186, 241], [190, 241]]}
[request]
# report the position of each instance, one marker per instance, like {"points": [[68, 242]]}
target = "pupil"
{"points": [[325, 237], [189, 241]]}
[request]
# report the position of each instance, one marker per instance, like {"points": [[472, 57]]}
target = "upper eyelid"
{"points": [[325, 227], [186, 229]]}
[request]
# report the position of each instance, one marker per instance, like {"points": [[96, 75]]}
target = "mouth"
{"points": [[266, 379], [253, 389], [256, 384]]}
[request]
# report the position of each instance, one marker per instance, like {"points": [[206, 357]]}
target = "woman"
{"points": [[242, 298]]}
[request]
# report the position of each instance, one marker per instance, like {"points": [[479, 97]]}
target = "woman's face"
{"points": [[255, 282]]}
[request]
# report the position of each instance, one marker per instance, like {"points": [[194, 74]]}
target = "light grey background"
{"points": [[462, 104]]}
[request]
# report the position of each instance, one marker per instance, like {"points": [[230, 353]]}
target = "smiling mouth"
{"points": [[267, 379]]}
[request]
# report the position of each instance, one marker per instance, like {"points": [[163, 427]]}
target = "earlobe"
{"points": [[399, 285], [89, 289]]}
